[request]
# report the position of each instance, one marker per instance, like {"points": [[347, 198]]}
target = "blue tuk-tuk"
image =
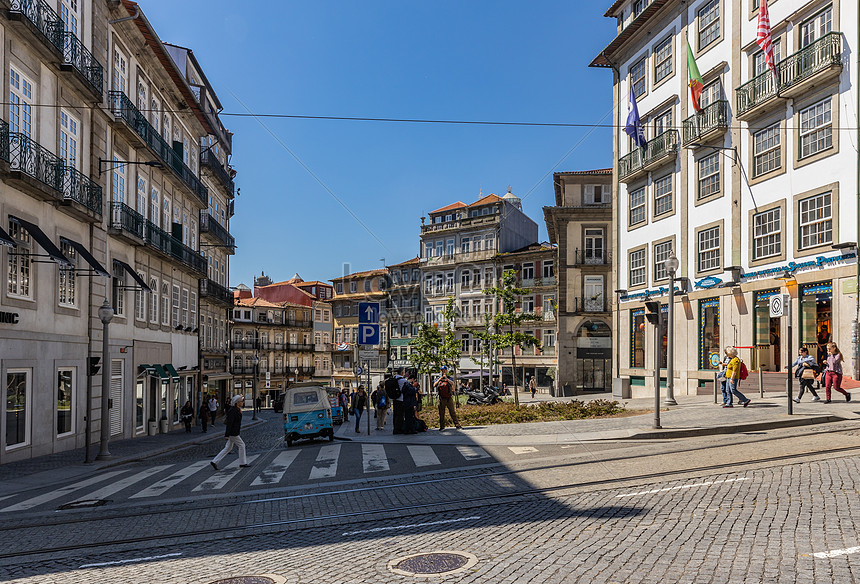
{"points": [[334, 402], [307, 413]]}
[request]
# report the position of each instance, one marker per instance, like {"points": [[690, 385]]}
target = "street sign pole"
{"points": [[367, 401], [657, 355], [787, 311]]}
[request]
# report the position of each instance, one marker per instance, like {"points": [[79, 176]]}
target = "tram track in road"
{"points": [[404, 511]]}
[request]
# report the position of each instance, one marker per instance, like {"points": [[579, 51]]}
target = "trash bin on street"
{"points": [[621, 387]]}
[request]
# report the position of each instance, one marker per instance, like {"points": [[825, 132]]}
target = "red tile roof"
{"points": [[491, 198], [376, 272], [413, 262], [457, 205]]}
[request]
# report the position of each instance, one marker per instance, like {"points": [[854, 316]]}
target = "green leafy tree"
{"points": [[508, 319], [487, 339]]}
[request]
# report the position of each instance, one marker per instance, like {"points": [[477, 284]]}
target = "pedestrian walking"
{"points": [[343, 400], [806, 370], [233, 424], [732, 379], [213, 408], [533, 386], [394, 389], [359, 402], [833, 373], [380, 402], [203, 414], [446, 399], [258, 404], [187, 413], [409, 393]]}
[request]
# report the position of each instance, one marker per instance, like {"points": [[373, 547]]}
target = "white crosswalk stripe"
{"points": [[221, 477], [472, 452], [373, 458], [273, 473], [61, 492], [116, 487], [423, 455], [171, 481], [326, 463]]}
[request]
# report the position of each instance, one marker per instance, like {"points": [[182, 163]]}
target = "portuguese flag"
{"points": [[695, 78]]}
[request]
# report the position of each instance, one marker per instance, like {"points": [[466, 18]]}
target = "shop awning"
{"points": [[172, 372], [53, 252], [5, 239], [154, 370], [400, 342], [133, 274], [88, 257]]}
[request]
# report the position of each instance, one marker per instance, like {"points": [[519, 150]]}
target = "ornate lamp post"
{"points": [[105, 315], [672, 264]]}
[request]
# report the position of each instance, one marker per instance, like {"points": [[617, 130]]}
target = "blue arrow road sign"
{"points": [[368, 334], [368, 312]]}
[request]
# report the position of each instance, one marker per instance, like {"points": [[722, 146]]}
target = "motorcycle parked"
{"points": [[489, 396]]}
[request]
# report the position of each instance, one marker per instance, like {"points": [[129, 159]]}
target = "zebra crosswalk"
{"points": [[265, 470]]}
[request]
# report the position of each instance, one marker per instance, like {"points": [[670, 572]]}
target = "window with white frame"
{"points": [[69, 16], [176, 295], [118, 282], [466, 343], [154, 109], [154, 207], [367, 284], [709, 23], [20, 103], [548, 304], [141, 205], [548, 268], [449, 282], [708, 168], [663, 122], [767, 155], [465, 244], [636, 261], [816, 220], [120, 71], [166, 127], [66, 278], [528, 304], [69, 125], [153, 301], [767, 233], [548, 338], [117, 181], [449, 247], [353, 287], [139, 300], [637, 77], [816, 27], [466, 279], [142, 100], [663, 199], [193, 310], [662, 251], [637, 206], [712, 92], [528, 271], [816, 128], [596, 194], [708, 245], [663, 59], [759, 64], [165, 303]]}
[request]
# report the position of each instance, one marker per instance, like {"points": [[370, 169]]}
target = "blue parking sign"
{"points": [[368, 334]]}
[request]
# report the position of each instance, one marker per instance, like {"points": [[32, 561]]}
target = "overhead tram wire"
{"points": [[250, 114]]}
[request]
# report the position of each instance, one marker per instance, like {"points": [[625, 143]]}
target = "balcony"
{"points": [[298, 323], [209, 108], [173, 248], [242, 370], [59, 45], [299, 347], [210, 161], [208, 224], [659, 150], [244, 344], [126, 222], [591, 304], [817, 63], [712, 121], [139, 126], [592, 257], [459, 257], [466, 222], [306, 370], [78, 189], [215, 292]]}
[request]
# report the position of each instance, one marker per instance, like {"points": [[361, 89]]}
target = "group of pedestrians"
{"points": [[807, 370]]}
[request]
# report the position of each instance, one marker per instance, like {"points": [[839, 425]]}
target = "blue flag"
{"points": [[634, 127]]}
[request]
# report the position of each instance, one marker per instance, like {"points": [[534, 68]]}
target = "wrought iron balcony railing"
{"points": [[169, 245], [127, 219], [79, 57], [81, 189], [714, 116], [209, 160], [43, 17], [123, 108], [657, 148], [818, 56], [4, 140], [592, 257], [208, 224], [590, 304], [300, 347], [31, 158], [244, 344], [215, 291]]}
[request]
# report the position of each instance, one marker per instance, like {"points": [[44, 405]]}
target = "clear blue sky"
{"points": [[494, 60]]}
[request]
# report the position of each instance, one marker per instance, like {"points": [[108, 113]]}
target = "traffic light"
{"points": [[94, 366], [652, 311]]}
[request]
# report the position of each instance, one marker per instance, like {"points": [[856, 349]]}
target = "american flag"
{"points": [[763, 38]]}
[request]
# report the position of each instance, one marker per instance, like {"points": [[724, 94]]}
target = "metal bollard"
{"points": [[760, 383], [716, 391]]}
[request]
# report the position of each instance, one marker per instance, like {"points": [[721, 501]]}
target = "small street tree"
{"points": [[509, 319], [435, 347]]}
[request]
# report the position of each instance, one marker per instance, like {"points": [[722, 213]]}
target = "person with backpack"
{"points": [[733, 376], [445, 388], [394, 391], [380, 401], [806, 371]]}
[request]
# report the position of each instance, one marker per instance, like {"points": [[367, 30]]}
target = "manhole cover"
{"points": [[83, 504], [440, 563]]}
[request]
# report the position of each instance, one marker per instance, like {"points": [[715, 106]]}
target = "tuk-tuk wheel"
{"points": [[289, 442], [331, 436]]}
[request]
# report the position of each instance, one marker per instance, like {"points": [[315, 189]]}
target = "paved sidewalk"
{"points": [[66, 465], [695, 415]]}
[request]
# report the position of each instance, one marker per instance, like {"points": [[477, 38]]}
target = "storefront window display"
{"points": [[816, 318], [664, 335], [637, 338], [709, 333], [766, 331]]}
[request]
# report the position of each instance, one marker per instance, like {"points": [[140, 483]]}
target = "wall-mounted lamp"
{"points": [[118, 163]]}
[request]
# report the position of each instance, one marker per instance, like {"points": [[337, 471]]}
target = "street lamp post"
{"points": [[254, 386], [672, 264], [105, 315]]}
